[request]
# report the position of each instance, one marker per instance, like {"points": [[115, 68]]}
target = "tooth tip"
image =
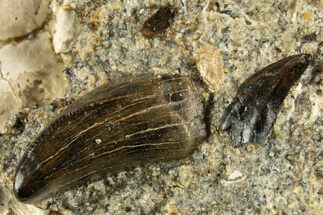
{"points": [[20, 191], [307, 57], [25, 186], [223, 125]]}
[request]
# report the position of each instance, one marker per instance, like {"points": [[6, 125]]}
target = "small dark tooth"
{"points": [[253, 111]]}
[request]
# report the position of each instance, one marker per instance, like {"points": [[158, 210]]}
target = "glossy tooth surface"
{"points": [[253, 111], [117, 126]]}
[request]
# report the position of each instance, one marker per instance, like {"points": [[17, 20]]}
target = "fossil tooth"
{"points": [[115, 127], [253, 111]]}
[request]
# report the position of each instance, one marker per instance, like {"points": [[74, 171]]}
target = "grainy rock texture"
{"points": [[283, 176]]}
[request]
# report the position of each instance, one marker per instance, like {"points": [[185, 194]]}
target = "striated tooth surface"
{"points": [[117, 126]]}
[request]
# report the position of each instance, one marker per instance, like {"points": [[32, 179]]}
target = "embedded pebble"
{"points": [[210, 67], [158, 22], [33, 79], [65, 30], [19, 18]]}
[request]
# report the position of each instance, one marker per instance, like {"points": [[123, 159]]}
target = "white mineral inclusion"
{"points": [[20, 17], [31, 73], [65, 30], [235, 175]]}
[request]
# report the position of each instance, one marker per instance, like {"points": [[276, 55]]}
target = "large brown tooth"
{"points": [[253, 111], [115, 127]]}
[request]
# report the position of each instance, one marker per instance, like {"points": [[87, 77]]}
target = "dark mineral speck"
{"points": [[158, 22]]}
